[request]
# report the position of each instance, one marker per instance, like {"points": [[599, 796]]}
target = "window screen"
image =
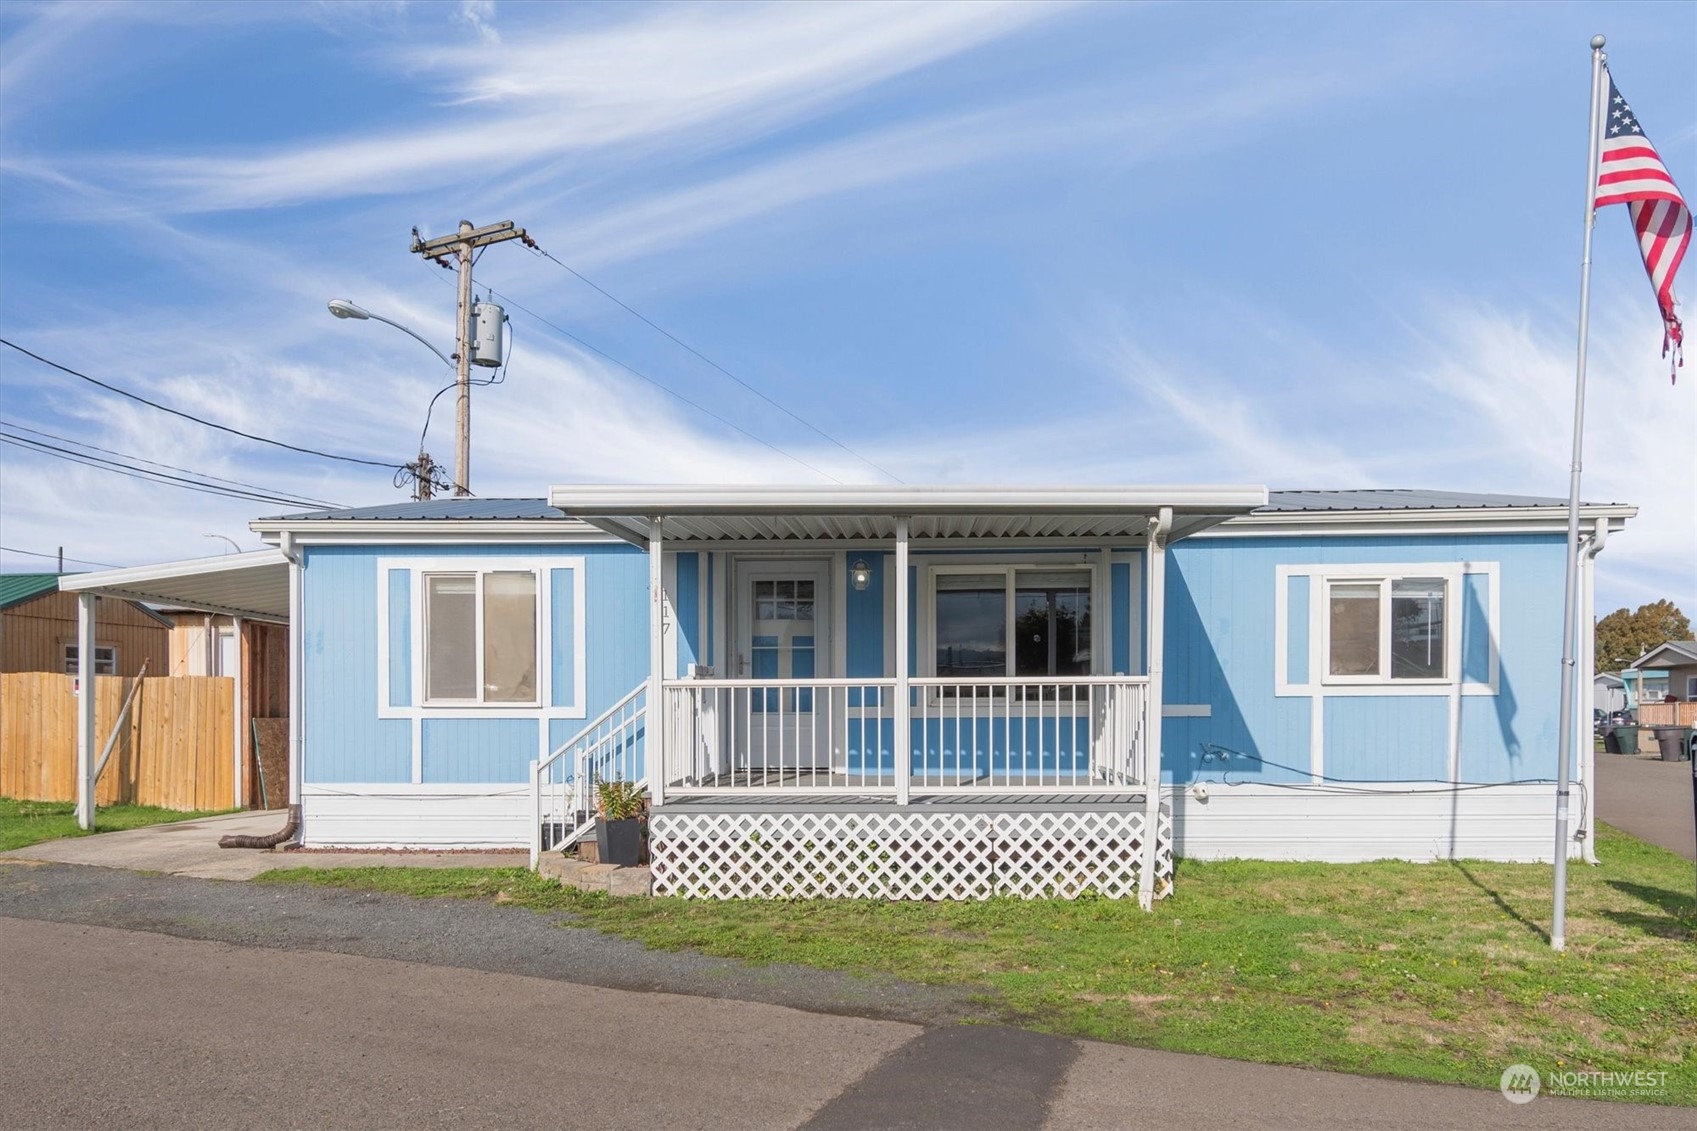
{"points": [[450, 626], [1354, 628], [509, 637]]}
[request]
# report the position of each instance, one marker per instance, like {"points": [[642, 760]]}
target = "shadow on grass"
{"points": [[1678, 918], [1502, 904]]}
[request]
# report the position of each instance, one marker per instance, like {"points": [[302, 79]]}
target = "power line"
{"points": [[144, 459], [634, 371], [196, 419], [149, 476], [56, 557], [655, 326]]}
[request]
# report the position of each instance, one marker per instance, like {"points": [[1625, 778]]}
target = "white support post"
{"points": [[85, 709], [904, 740], [297, 666], [238, 699], [656, 662], [1157, 630]]}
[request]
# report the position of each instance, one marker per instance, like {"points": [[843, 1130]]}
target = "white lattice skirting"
{"points": [[1036, 854]]}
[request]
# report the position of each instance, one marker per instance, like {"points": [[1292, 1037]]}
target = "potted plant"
{"points": [[619, 831]]}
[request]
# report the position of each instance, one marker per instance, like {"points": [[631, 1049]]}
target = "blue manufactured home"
{"points": [[931, 692]]}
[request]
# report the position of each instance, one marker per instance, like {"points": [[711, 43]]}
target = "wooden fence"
{"points": [[174, 750], [1667, 714]]}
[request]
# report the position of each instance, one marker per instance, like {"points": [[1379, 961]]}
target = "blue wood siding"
{"points": [[478, 750], [400, 638], [1220, 650], [1119, 586], [688, 600], [865, 628], [562, 637], [616, 624], [1296, 650], [346, 739], [1360, 746]]}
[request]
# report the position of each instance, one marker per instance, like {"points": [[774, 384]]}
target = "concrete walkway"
{"points": [[190, 848], [1648, 798]]}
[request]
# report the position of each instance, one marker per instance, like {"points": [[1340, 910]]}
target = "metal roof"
{"points": [[736, 513], [473, 509], [254, 584], [1401, 499], [16, 588], [1677, 653]]}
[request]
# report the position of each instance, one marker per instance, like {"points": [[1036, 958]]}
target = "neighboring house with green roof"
{"points": [[38, 630]]}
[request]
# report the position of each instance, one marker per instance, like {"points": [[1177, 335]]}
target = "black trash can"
{"points": [[1611, 741], [1672, 742]]}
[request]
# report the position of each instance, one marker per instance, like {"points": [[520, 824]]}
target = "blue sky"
{"points": [[1300, 245]]}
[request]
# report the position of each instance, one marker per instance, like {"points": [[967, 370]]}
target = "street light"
{"points": [[345, 308], [226, 538], [422, 470]]}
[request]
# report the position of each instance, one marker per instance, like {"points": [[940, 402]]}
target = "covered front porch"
{"points": [[941, 679]]}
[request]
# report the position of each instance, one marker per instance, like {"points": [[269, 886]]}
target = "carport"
{"points": [[255, 586]]}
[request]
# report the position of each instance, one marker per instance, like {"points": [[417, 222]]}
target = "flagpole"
{"points": [[1565, 744]]}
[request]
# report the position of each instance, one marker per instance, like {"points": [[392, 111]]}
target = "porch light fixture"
{"points": [[860, 575]]}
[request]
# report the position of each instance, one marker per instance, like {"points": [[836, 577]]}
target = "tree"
{"points": [[1622, 636]]}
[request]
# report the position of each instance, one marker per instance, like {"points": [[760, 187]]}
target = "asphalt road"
{"points": [[156, 1001], [1649, 798]]}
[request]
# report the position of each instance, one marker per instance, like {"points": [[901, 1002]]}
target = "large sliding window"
{"points": [[1386, 629], [1012, 621], [480, 634]]}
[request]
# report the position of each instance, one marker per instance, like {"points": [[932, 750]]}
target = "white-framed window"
{"points": [[1691, 688], [105, 659], [1014, 620], [480, 637], [1391, 629]]}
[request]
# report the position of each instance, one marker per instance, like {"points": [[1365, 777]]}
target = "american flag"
{"points": [[1632, 174]]}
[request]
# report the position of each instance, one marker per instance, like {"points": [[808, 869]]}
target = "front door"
{"points": [[782, 634]]}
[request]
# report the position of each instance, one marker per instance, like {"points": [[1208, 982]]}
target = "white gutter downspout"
{"points": [[286, 543], [1587, 648]]}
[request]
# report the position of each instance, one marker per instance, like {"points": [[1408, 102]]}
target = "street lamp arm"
{"points": [[446, 360]]}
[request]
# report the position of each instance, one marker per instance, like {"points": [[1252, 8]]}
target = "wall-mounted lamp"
{"points": [[860, 575]]}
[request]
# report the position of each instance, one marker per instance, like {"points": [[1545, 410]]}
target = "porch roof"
{"points": [[254, 585], [736, 513]]}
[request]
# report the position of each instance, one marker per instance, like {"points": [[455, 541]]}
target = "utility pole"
{"points": [[424, 470], [462, 244]]}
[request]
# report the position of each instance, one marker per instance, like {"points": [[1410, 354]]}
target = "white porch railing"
{"points": [[1014, 735], [610, 748]]}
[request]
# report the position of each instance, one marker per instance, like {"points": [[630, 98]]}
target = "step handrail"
{"points": [[582, 749]]}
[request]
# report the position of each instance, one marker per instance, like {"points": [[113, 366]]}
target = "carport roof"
{"points": [[254, 585], [736, 513]]}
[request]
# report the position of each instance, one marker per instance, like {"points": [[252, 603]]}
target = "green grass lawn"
{"points": [[1427, 971], [23, 823]]}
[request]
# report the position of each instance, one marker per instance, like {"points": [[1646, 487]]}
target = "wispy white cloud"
{"points": [[724, 72]]}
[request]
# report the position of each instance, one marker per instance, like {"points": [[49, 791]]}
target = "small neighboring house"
{"points": [[927, 692], [38, 625], [1677, 662], [1608, 693]]}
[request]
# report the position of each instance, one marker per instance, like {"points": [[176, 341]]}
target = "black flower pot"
{"points": [[620, 842]]}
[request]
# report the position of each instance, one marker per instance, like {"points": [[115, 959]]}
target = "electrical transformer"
{"points": [[488, 334]]}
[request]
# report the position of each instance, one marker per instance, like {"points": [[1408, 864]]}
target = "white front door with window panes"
{"points": [[783, 633]]}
